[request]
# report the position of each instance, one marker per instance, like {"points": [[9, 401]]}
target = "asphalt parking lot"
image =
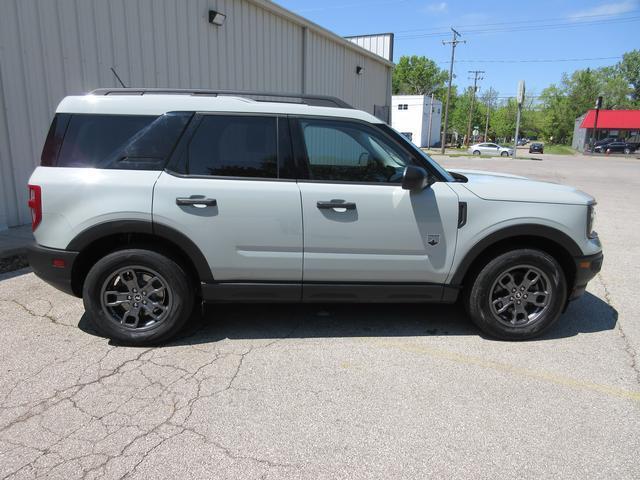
{"points": [[320, 392]]}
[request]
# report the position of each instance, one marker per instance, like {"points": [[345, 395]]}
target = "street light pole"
{"points": [[595, 124], [454, 42]]}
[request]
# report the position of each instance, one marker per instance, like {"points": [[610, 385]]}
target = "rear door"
{"points": [[230, 189], [360, 226]]}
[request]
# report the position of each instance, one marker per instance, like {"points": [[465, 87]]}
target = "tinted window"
{"points": [[91, 140], [234, 146], [150, 147], [54, 139], [347, 151]]}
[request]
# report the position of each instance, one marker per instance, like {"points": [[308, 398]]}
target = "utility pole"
{"points": [[477, 75], [520, 101], [486, 125], [430, 119], [454, 42]]}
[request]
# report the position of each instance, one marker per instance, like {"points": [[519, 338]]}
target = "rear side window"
{"points": [[116, 141], [234, 146]]}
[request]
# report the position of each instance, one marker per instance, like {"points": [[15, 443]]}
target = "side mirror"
{"points": [[415, 178]]}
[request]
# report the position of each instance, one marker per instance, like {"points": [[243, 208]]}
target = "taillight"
{"points": [[35, 204]]}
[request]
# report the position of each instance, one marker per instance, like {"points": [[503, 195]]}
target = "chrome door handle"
{"points": [[336, 204], [196, 201]]}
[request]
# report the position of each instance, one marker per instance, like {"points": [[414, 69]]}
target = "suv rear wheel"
{"points": [[517, 295], [138, 297]]}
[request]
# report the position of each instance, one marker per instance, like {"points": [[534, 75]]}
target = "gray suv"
{"points": [[148, 202]]}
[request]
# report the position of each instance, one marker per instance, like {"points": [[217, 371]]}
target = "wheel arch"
{"points": [[550, 240], [104, 238]]}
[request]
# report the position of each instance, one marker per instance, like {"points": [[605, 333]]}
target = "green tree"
{"points": [[557, 120], [416, 75], [503, 120], [630, 70], [459, 115], [614, 88]]}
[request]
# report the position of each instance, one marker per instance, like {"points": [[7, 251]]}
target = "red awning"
{"points": [[613, 119]]}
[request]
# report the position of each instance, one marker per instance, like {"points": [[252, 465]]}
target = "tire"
{"points": [[136, 277], [504, 154], [528, 320], [476, 152]]}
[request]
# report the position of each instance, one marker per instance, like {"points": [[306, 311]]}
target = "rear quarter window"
{"points": [[114, 141]]}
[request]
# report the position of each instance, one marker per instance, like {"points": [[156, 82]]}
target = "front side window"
{"points": [[234, 146], [352, 152]]}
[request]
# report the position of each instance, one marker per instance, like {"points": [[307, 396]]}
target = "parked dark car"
{"points": [[522, 141], [616, 147], [536, 148], [604, 141]]}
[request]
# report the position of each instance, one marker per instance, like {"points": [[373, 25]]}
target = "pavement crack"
{"points": [[631, 352]]}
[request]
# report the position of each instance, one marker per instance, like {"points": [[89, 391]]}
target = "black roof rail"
{"points": [[312, 100]]}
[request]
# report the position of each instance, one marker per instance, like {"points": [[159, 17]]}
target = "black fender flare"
{"points": [[525, 230], [105, 229]]}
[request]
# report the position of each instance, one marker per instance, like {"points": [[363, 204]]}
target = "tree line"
{"points": [[550, 116]]}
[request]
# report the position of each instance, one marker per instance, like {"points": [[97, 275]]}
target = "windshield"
{"points": [[447, 177]]}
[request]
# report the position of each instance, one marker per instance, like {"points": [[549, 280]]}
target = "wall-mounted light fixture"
{"points": [[216, 18], [359, 70]]}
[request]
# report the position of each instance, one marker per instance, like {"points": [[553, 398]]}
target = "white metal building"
{"points": [[414, 116], [50, 49]]}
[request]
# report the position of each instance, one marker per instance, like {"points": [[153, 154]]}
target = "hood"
{"points": [[514, 188]]}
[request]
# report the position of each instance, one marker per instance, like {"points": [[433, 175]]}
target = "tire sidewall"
{"points": [[479, 298], [178, 284]]}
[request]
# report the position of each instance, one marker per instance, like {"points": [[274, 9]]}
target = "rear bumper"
{"points": [[52, 265], [587, 267]]}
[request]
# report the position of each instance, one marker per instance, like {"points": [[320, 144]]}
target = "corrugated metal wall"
{"points": [[50, 49], [380, 44]]}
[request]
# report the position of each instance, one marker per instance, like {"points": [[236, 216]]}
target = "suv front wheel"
{"points": [[138, 297], [518, 295]]}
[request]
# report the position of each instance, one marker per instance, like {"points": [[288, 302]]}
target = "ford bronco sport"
{"points": [[149, 201]]}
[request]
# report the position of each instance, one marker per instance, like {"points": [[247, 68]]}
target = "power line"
{"points": [[507, 29], [553, 60], [575, 19]]}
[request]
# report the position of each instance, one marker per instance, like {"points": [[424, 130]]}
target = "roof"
{"points": [[613, 119], [160, 104]]}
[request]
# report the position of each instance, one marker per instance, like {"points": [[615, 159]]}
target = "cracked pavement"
{"points": [[323, 391]]}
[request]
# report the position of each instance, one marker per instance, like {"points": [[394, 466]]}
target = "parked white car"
{"points": [[148, 202], [492, 149]]}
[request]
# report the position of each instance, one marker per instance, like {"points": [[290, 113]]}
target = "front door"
{"points": [[360, 226], [232, 198]]}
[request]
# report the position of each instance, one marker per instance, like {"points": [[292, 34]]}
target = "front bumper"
{"points": [[52, 265], [587, 267]]}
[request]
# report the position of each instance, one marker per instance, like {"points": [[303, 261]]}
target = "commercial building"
{"points": [[621, 124], [55, 48], [417, 118]]}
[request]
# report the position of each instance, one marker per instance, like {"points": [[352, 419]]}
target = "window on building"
{"points": [[234, 146]]}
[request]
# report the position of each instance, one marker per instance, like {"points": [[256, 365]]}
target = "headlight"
{"points": [[591, 218]]}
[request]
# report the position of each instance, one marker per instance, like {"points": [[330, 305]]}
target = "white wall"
{"points": [[415, 119], [53, 48]]}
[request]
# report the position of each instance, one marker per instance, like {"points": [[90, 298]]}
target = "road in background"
{"points": [[352, 391]]}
